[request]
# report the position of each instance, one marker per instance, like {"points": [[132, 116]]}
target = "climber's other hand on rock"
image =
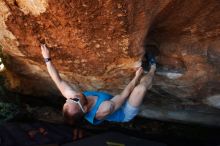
{"points": [[45, 52]]}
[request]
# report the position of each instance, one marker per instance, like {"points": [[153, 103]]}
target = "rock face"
{"points": [[95, 45]]}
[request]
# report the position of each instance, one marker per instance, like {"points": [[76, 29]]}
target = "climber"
{"points": [[99, 106]]}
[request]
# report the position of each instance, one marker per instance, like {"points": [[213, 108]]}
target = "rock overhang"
{"points": [[95, 45]]}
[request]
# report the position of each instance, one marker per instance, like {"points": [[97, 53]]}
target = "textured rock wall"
{"points": [[188, 33], [95, 45], [88, 41]]}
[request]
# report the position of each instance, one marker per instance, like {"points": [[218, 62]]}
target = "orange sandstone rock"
{"points": [[95, 44]]}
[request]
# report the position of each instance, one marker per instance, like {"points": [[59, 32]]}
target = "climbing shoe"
{"points": [[148, 60]]}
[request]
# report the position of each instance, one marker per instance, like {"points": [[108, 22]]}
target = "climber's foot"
{"points": [[151, 59], [149, 62]]}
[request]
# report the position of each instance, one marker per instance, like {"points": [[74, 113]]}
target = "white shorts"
{"points": [[129, 111]]}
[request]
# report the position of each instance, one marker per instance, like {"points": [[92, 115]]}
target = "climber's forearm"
{"points": [[66, 90], [63, 86], [53, 73]]}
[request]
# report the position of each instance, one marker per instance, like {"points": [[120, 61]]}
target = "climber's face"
{"points": [[81, 101]]}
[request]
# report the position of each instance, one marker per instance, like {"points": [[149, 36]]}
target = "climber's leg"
{"points": [[131, 107], [136, 97]]}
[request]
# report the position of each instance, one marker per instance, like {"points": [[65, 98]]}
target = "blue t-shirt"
{"points": [[117, 116]]}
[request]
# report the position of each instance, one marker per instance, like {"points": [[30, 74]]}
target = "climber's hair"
{"points": [[71, 114]]}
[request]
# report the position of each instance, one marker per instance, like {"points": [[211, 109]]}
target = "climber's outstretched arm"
{"points": [[66, 90]]}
